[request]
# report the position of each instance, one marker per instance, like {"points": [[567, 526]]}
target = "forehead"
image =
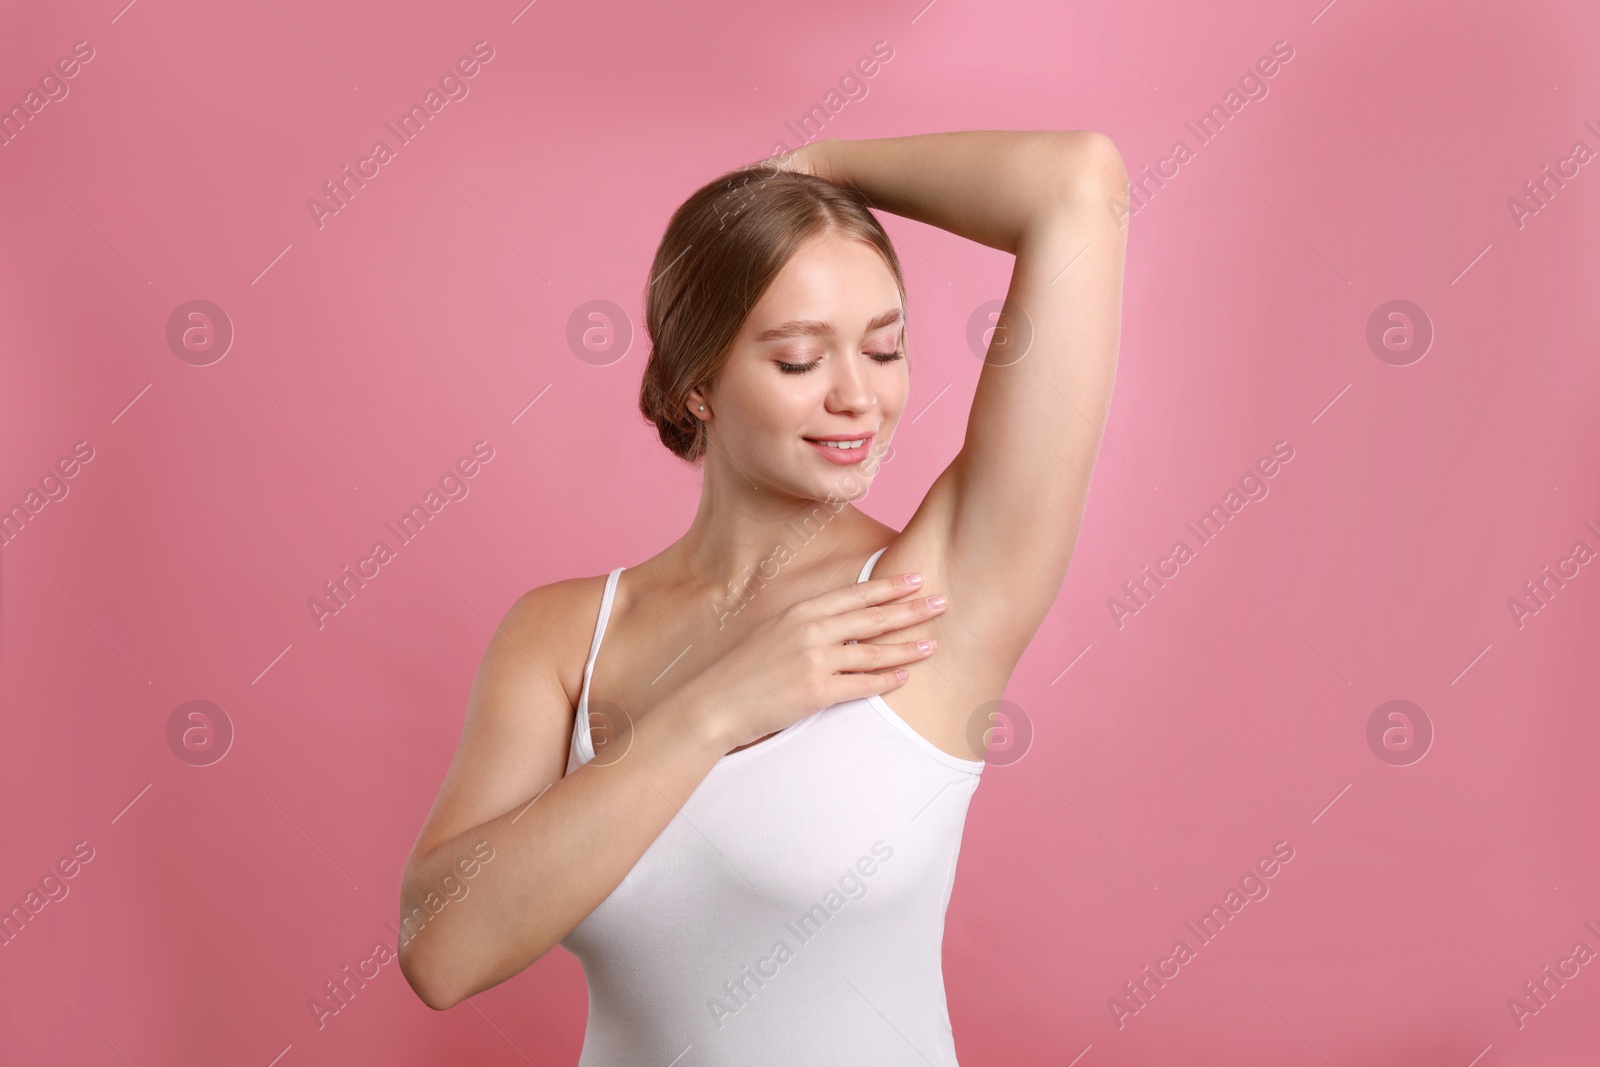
{"points": [[833, 279]]}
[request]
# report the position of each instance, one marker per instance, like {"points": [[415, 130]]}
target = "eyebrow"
{"points": [[815, 327]]}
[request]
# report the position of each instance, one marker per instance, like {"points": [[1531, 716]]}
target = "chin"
{"points": [[849, 484]]}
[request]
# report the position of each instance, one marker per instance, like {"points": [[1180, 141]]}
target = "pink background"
{"points": [[371, 353]]}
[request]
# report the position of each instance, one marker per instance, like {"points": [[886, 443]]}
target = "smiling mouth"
{"points": [[844, 446]]}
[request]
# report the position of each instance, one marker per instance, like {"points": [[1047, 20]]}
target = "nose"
{"points": [[850, 392]]}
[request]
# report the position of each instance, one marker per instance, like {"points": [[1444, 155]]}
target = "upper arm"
{"points": [[518, 723], [1005, 514]]}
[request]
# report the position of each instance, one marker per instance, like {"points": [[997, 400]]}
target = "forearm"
{"points": [[989, 186], [555, 860]]}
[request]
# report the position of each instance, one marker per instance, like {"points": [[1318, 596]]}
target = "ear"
{"points": [[698, 408]]}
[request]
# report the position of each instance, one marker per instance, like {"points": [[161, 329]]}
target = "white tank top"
{"points": [[792, 912]]}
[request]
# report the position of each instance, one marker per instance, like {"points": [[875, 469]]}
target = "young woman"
{"points": [[744, 817]]}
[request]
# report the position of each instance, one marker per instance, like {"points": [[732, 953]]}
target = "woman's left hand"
{"points": [[807, 159]]}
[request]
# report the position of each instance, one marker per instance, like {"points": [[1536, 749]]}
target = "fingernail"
{"points": [[925, 646], [900, 674], [914, 578], [936, 602]]}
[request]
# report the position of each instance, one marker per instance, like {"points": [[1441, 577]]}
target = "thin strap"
{"points": [[599, 632], [867, 570]]}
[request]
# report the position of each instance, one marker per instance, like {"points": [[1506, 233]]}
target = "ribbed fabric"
{"points": [[792, 913]]}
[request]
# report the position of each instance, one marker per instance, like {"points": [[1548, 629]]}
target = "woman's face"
{"points": [[820, 356]]}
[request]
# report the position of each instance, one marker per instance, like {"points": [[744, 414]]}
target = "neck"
{"points": [[744, 534]]}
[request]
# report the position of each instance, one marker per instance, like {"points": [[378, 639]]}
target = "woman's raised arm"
{"points": [[1000, 524]]}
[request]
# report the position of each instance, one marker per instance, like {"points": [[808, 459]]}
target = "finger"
{"points": [[877, 619], [855, 686], [859, 594], [791, 160], [869, 658]]}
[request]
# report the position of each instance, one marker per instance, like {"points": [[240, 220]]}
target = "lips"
{"points": [[843, 456]]}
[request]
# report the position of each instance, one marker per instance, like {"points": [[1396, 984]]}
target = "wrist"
{"points": [[703, 724], [824, 159]]}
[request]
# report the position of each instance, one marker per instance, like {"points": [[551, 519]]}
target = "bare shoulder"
{"points": [[519, 713], [557, 620]]}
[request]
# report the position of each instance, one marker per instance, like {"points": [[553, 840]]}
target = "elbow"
{"points": [[437, 982], [434, 999], [426, 981], [443, 973], [450, 955], [432, 978], [1094, 165]]}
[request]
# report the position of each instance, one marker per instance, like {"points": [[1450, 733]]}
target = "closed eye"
{"points": [[878, 356]]}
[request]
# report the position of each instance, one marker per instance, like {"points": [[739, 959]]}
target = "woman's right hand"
{"points": [[797, 662]]}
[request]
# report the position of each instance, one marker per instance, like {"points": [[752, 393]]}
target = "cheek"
{"points": [[893, 396], [787, 404], [758, 418]]}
